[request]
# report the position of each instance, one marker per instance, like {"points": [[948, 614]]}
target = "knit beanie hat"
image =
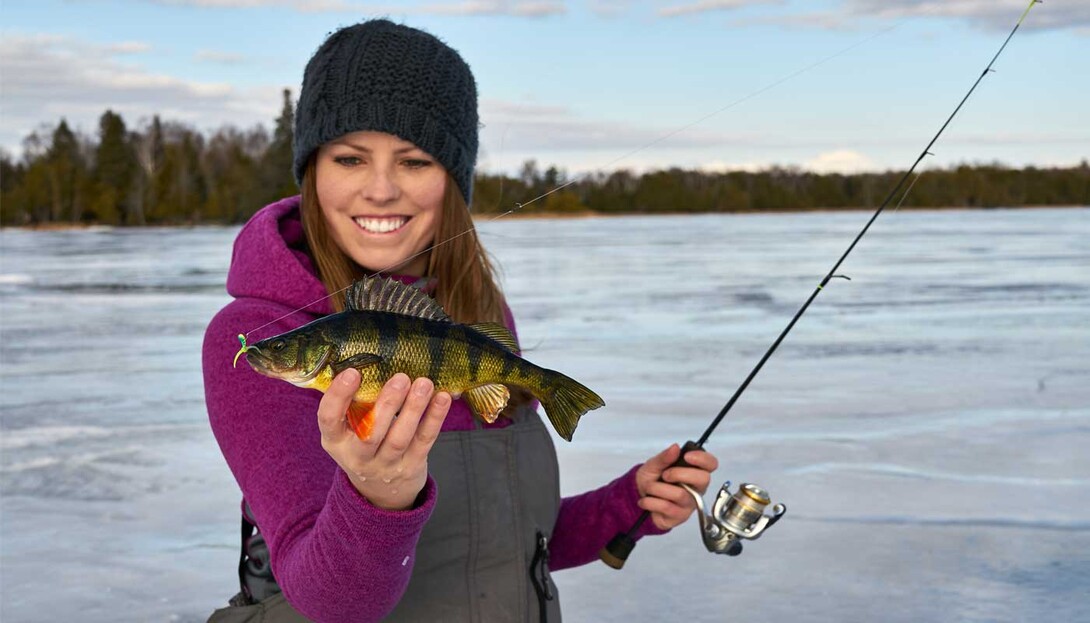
{"points": [[385, 77]]}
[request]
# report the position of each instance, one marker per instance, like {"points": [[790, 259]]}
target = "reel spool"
{"points": [[735, 516]]}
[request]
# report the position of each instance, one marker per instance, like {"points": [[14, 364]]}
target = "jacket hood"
{"points": [[270, 262]]}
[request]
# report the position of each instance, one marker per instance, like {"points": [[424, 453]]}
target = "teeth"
{"points": [[380, 225]]}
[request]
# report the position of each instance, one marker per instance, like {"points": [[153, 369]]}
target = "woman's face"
{"points": [[382, 198]]}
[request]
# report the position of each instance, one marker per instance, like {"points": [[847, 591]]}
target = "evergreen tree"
{"points": [[115, 169], [276, 165], [65, 168]]}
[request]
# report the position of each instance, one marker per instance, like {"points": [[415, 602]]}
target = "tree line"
{"points": [[170, 173]]}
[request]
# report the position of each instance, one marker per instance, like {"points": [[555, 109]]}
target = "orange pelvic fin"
{"points": [[361, 417]]}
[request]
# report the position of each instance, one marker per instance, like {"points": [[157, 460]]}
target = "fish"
{"points": [[389, 327]]}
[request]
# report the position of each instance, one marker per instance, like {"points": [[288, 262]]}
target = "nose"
{"points": [[381, 187]]}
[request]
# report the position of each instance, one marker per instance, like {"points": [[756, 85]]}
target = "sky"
{"points": [[598, 85]]}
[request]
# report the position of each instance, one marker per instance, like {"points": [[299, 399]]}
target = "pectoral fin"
{"points": [[360, 361], [488, 400], [361, 417]]}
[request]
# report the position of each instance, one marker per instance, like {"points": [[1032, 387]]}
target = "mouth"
{"points": [[259, 362], [381, 225]]}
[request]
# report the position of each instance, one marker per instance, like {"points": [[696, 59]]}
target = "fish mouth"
{"points": [[267, 366], [261, 363]]}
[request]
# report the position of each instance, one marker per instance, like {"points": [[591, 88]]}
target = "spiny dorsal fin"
{"points": [[387, 295], [497, 332], [488, 400]]}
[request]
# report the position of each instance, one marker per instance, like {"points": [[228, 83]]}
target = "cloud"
{"points": [[47, 77], [515, 8], [705, 6], [609, 8], [840, 161], [491, 7], [999, 15], [989, 14], [719, 166], [536, 127], [128, 47], [836, 161]]}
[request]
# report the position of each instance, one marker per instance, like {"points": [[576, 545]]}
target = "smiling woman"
{"points": [[382, 199], [432, 515]]}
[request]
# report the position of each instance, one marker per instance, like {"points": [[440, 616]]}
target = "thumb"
{"points": [[664, 459], [335, 402]]}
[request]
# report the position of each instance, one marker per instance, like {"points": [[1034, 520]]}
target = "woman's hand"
{"points": [[391, 467], [669, 504]]}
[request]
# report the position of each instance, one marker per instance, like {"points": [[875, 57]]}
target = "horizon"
{"points": [[838, 86]]}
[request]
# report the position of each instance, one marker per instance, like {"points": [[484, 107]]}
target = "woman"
{"points": [[436, 516]]}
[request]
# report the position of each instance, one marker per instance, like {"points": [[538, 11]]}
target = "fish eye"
{"points": [[279, 345]]}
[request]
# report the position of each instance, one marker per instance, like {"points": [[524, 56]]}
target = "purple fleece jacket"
{"points": [[335, 556]]}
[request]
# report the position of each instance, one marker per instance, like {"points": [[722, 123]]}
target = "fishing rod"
{"points": [[740, 515]]}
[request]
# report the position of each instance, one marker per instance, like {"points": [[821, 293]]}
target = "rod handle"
{"points": [[616, 552]]}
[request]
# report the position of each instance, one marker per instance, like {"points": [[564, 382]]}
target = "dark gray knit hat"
{"points": [[385, 77]]}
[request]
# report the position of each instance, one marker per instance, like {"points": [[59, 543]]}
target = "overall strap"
{"points": [[243, 597]]}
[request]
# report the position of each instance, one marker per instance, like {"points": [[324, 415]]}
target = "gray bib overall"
{"points": [[483, 555]]}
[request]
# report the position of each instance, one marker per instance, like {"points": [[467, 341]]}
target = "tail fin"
{"points": [[565, 401]]}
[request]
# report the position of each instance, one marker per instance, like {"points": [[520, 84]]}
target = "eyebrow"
{"points": [[362, 148]]}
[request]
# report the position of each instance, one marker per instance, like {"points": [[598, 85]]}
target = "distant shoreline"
{"points": [[584, 214], [595, 214]]}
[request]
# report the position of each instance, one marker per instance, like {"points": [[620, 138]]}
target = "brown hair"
{"points": [[465, 280]]}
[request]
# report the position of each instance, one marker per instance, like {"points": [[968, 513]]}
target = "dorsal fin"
{"points": [[387, 295], [497, 332]]}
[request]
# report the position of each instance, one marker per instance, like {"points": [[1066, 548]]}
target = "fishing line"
{"points": [[519, 205], [617, 551]]}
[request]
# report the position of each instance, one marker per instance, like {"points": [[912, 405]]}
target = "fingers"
{"points": [[388, 403], [696, 478], [671, 493], [430, 425], [402, 431], [702, 459], [334, 404], [669, 514]]}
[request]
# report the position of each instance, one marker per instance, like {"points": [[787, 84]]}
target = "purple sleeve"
{"points": [[588, 521], [335, 556]]}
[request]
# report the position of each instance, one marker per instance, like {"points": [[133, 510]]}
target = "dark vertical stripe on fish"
{"points": [[473, 354], [436, 350], [388, 335], [508, 365]]}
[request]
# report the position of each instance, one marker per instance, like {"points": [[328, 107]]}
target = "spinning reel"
{"points": [[734, 516]]}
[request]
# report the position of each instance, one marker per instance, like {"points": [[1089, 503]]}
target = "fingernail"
{"points": [[442, 400], [350, 377], [422, 388], [400, 381]]}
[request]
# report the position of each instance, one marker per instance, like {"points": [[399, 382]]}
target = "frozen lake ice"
{"points": [[926, 422]]}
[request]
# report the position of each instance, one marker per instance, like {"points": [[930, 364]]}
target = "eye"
{"points": [[416, 163], [279, 345], [347, 161]]}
